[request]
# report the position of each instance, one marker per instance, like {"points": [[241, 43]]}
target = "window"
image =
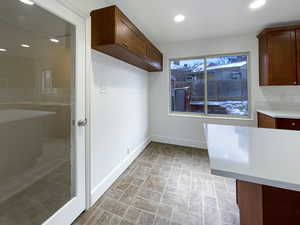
{"points": [[210, 85]]}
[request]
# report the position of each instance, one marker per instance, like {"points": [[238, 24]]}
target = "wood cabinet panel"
{"points": [[263, 62], [288, 124], [278, 56], [281, 206], [250, 203], [154, 57], [298, 55], [265, 205], [282, 58], [102, 28], [265, 121], [129, 38], [114, 34]]}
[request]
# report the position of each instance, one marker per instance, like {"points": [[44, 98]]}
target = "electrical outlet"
{"points": [[128, 150]]}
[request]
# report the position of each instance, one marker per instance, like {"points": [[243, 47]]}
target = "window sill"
{"points": [[202, 116]]}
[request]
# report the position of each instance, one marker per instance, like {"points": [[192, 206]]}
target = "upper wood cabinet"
{"points": [[278, 58], [115, 35], [298, 54]]}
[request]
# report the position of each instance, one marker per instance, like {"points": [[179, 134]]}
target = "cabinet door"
{"points": [[282, 57], [263, 62], [154, 57], [128, 38], [288, 124], [298, 56]]}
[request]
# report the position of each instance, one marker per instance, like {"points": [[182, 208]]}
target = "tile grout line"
{"points": [[168, 161]]}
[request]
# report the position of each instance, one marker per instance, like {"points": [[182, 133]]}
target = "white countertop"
{"points": [[10, 115], [264, 156], [281, 113]]}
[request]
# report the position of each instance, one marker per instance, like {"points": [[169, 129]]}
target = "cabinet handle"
{"points": [[295, 82], [293, 124]]}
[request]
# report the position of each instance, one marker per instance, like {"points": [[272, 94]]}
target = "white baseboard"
{"points": [[99, 190], [181, 142]]}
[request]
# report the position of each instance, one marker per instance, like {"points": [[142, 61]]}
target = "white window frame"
{"points": [[205, 114]]}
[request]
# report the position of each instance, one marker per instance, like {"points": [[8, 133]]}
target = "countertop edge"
{"points": [[256, 180], [280, 115]]}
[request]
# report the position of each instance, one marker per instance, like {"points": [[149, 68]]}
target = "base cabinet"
{"points": [[265, 121], [265, 205], [250, 200]]}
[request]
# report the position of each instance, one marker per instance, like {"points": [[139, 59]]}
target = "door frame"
{"points": [[88, 92], [80, 202]]}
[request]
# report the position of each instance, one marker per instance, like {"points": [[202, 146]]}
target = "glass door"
{"points": [[42, 155]]}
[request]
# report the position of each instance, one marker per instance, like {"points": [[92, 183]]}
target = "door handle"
{"points": [[82, 123]]}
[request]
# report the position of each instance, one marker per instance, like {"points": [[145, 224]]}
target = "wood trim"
{"points": [[237, 191], [263, 62], [277, 28]]}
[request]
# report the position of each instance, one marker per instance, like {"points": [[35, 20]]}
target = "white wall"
{"points": [[118, 109], [188, 130], [119, 118]]}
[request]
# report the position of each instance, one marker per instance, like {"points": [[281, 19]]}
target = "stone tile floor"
{"points": [[166, 185]]}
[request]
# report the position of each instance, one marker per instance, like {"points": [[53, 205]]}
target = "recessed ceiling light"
{"points": [[3, 50], [27, 2], [179, 18], [54, 40], [25, 46], [257, 4]]}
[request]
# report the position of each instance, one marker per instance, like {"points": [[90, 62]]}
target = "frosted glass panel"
{"points": [[36, 86]]}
